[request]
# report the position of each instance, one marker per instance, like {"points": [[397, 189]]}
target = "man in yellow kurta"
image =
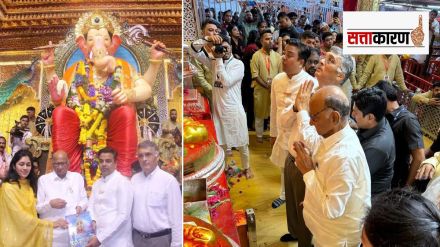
{"points": [[265, 65], [382, 67]]}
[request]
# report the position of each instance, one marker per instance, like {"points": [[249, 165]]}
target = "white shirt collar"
{"points": [[151, 173], [106, 179], [336, 137], [56, 178]]}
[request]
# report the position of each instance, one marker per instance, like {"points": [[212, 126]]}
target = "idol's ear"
{"points": [[81, 43], [116, 42]]}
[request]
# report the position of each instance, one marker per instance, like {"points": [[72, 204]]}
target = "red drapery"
{"points": [[121, 136]]}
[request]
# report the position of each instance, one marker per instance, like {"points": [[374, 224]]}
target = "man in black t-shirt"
{"points": [[407, 136], [376, 137]]}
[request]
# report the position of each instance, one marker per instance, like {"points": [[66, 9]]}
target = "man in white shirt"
{"points": [[60, 193], [283, 93], [5, 159], [110, 204], [333, 69], [157, 207], [335, 170], [433, 24]]}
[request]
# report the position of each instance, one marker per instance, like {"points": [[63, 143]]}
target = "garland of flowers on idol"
{"points": [[90, 107]]}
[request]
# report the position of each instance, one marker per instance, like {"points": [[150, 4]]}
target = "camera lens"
{"points": [[219, 49]]}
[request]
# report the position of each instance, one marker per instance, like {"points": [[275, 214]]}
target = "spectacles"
{"points": [[146, 155], [59, 164], [314, 116]]}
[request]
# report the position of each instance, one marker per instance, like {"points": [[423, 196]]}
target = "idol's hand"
{"points": [[155, 53], [123, 96]]}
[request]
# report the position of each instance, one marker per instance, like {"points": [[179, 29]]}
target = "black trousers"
{"points": [[295, 190]]}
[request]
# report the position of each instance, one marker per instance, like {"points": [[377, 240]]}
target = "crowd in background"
{"points": [[338, 131]]}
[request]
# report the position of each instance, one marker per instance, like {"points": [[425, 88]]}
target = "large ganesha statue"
{"points": [[95, 97]]}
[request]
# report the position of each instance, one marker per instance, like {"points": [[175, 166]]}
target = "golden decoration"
{"points": [[96, 20], [193, 131], [198, 236]]}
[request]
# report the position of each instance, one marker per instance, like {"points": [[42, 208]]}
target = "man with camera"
{"points": [[19, 133], [228, 112]]}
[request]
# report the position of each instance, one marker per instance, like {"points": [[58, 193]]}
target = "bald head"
{"points": [[329, 110], [334, 97], [60, 163]]}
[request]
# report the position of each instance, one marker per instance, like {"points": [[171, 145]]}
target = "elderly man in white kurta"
{"points": [[110, 204], [229, 115], [335, 171], [60, 193], [283, 93]]}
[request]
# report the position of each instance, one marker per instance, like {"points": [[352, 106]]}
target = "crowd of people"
{"points": [[337, 130]]}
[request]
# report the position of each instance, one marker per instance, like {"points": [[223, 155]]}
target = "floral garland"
{"points": [[91, 102], [216, 197]]}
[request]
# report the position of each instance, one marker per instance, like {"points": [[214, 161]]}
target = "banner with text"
{"points": [[386, 32]]}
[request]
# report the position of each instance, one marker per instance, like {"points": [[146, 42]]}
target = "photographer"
{"points": [[19, 133], [228, 112], [335, 25]]}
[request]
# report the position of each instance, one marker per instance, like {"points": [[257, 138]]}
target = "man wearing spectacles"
{"points": [[334, 168], [60, 193]]}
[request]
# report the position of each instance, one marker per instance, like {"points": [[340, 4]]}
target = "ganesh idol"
{"points": [[95, 98]]}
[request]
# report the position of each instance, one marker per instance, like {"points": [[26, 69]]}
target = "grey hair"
{"points": [[346, 62], [338, 104], [148, 144]]}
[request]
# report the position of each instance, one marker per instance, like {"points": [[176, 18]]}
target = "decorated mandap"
{"points": [[106, 83]]}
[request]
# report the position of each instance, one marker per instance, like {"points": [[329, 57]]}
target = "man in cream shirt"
{"points": [[334, 168], [283, 93], [157, 208], [60, 193], [110, 204]]}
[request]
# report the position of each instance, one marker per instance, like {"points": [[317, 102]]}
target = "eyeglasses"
{"points": [[314, 116], [59, 164], [146, 155]]}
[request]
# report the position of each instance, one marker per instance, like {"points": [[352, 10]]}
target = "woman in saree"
{"points": [[19, 224]]}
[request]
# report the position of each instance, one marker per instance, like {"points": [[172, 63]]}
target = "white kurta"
{"points": [[338, 191], [229, 115], [110, 206], [157, 204], [283, 95], [228, 112], [71, 189]]}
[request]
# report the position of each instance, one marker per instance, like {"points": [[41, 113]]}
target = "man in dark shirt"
{"points": [[286, 26], [407, 136], [376, 137]]}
